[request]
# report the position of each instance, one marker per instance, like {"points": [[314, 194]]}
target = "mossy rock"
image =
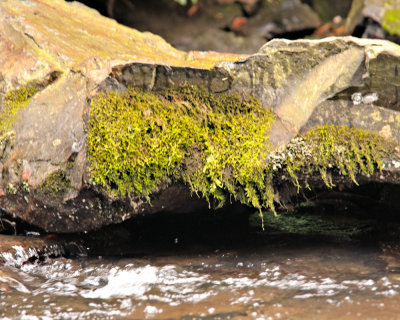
{"points": [[350, 151], [218, 145]]}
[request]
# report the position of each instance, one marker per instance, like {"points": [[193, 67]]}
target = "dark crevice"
{"points": [[10, 225], [293, 35]]}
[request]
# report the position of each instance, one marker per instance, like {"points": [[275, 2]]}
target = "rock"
{"points": [[290, 19], [45, 172], [296, 78], [49, 135], [328, 10], [222, 26], [249, 6], [201, 31], [221, 40], [17, 250], [374, 19], [98, 45]]}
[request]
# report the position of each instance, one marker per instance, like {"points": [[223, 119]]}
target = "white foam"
{"points": [[175, 286], [19, 257], [388, 293], [14, 284], [152, 310], [123, 283]]}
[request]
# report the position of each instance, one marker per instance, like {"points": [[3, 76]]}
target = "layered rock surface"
{"points": [[70, 52]]}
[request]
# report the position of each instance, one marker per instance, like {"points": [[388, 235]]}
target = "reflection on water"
{"points": [[291, 281]]}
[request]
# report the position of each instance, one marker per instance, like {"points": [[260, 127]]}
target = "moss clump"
{"points": [[13, 102], [56, 184], [350, 150], [391, 21], [216, 144]]}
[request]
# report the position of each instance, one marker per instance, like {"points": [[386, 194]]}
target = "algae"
{"points": [[303, 222]]}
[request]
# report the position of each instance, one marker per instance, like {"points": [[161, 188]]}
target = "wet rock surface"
{"points": [[18, 250], [305, 82]]}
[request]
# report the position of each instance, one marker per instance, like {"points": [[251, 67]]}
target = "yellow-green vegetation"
{"points": [[12, 103], [391, 21], [215, 144], [56, 184], [350, 150]]}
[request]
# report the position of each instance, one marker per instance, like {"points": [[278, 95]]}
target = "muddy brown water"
{"points": [[294, 278]]}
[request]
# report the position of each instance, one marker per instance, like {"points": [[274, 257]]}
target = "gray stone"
{"points": [[307, 83]]}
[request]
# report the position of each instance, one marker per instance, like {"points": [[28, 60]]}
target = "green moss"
{"points": [[13, 102], [56, 184], [304, 222], [391, 21], [215, 144], [350, 150], [11, 189]]}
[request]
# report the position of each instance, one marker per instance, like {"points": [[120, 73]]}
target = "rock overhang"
{"points": [[308, 83]]}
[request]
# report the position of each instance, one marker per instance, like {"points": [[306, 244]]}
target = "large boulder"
{"points": [[64, 50], [56, 56]]}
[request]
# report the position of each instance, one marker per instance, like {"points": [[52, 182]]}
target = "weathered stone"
{"points": [[44, 36], [364, 116], [287, 18], [67, 50], [294, 77], [45, 178]]}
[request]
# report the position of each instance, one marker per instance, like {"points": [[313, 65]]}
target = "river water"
{"points": [[272, 278]]}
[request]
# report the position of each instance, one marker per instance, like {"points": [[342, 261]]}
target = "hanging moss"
{"points": [[215, 144], [12, 103], [351, 151], [218, 145]]}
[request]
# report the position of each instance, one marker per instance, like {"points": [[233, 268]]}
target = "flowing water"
{"points": [[270, 279]]}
